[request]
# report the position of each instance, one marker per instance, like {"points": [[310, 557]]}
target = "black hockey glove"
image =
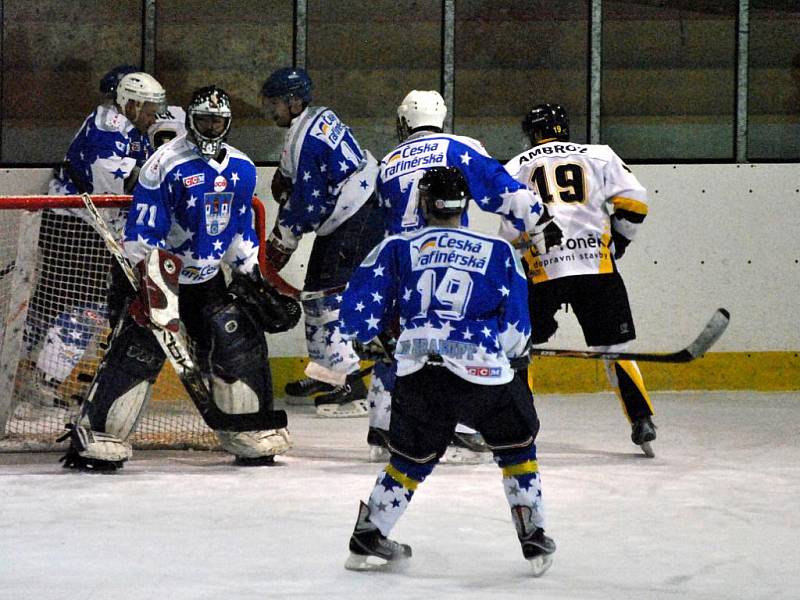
{"points": [[547, 233], [273, 311], [620, 244], [379, 349]]}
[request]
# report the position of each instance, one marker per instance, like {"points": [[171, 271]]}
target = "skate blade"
{"points": [[359, 562], [647, 448], [540, 564], [378, 454], [462, 456], [356, 408], [299, 400]]}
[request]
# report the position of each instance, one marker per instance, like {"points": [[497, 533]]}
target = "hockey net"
{"points": [[54, 329]]}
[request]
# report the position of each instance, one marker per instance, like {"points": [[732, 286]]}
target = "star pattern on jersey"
{"points": [[202, 226]]}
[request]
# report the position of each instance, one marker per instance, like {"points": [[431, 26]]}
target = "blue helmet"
{"points": [[110, 81], [288, 81]]}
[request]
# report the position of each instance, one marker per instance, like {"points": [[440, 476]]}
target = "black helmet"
{"points": [[548, 121], [444, 191]]}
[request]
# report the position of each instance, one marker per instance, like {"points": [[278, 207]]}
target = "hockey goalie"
{"points": [[191, 213]]}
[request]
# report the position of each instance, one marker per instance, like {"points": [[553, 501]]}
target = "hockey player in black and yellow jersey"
{"points": [[599, 204]]}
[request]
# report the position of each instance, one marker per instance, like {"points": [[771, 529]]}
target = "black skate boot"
{"points": [[378, 440], [537, 548], [642, 433], [348, 400], [307, 387], [367, 541]]}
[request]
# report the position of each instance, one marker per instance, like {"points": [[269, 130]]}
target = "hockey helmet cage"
{"points": [[548, 121], [444, 191], [210, 100], [140, 87], [287, 82], [420, 109], [110, 81]]}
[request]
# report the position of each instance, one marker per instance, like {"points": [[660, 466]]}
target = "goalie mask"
{"points": [[443, 191], [420, 109], [546, 122], [208, 118]]}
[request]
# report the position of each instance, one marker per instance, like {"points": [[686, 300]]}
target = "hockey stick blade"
{"points": [[711, 333], [320, 373]]}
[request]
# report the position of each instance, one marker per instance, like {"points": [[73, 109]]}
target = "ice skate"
{"points": [[93, 450], [378, 440], [348, 400], [643, 431], [370, 549], [537, 548], [467, 449], [301, 391]]}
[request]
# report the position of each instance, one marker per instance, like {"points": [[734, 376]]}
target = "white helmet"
{"points": [[141, 88], [420, 109]]}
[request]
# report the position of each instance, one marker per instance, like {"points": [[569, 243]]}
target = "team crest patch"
{"points": [[218, 211]]}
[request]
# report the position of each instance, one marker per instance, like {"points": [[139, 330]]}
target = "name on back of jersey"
{"points": [[450, 249], [551, 149], [414, 156]]}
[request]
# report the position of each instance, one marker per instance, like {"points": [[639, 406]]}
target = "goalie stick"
{"points": [[712, 331], [176, 347]]}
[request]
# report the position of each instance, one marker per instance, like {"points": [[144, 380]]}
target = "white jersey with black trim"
{"points": [[589, 191]]}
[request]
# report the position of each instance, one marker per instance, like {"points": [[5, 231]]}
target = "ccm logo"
{"points": [[193, 180], [484, 371]]}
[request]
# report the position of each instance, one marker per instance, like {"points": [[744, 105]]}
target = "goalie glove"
{"points": [[273, 311], [546, 233]]}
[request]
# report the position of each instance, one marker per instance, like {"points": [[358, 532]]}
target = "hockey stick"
{"points": [[320, 373], [176, 348], [712, 331], [271, 274]]}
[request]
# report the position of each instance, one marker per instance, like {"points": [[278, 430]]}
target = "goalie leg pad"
{"points": [[241, 378], [123, 382], [255, 444]]}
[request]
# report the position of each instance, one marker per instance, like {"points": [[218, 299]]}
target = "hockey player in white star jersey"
{"points": [[325, 184], [423, 145], [460, 298], [104, 157], [192, 204], [599, 204]]}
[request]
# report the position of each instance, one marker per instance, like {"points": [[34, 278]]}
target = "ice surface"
{"points": [[714, 515]]}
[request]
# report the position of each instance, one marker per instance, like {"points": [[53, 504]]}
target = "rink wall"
{"points": [[718, 235]]}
